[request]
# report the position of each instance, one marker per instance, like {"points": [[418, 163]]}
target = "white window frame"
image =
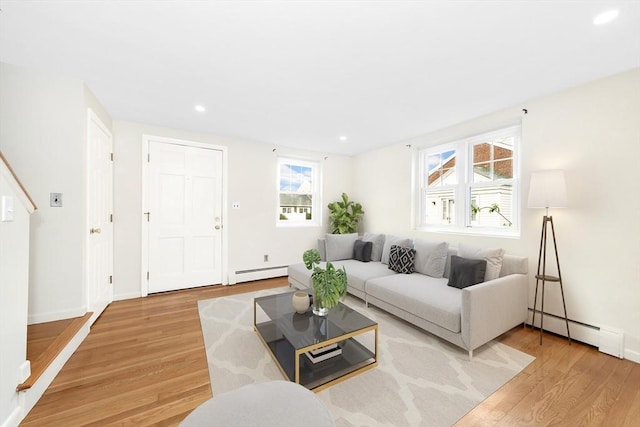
{"points": [[316, 193], [464, 185]]}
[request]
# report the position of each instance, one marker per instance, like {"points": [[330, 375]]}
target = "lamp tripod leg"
{"points": [[564, 305], [535, 298]]}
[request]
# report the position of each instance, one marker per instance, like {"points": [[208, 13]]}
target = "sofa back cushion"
{"points": [[431, 257], [513, 264], [377, 241], [340, 246], [389, 241], [493, 256]]}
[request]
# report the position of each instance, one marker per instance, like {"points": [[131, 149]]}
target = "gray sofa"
{"points": [[467, 317]]}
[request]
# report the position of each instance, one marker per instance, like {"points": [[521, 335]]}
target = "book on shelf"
{"points": [[324, 353]]}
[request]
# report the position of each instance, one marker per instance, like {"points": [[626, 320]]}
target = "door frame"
{"points": [[146, 140], [92, 117]]}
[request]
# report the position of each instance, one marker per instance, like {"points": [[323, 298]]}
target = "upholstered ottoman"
{"points": [[271, 404]]}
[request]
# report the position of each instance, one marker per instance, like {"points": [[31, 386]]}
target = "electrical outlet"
{"points": [[235, 205], [266, 258]]}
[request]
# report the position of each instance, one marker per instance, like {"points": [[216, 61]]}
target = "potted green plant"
{"points": [[344, 215], [329, 283]]}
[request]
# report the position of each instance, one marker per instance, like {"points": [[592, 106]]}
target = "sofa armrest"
{"points": [[491, 308]]}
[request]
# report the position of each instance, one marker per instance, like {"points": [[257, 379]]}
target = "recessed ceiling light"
{"points": [[343, 138], [605, 17], [200, 108]]}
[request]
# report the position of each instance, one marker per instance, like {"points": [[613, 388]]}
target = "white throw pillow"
{"points": [[340, 246], [493, 256], [431, 257], [378, 245], [393, 240]]}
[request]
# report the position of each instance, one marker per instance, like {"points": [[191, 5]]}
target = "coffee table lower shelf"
{"points": [[354, 359]]}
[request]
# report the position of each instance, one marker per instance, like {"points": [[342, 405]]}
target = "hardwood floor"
{"points": [[567, 385], [144, 364], [45, 341]]}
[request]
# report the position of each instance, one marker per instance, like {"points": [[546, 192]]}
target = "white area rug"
{"points": [[420, 380]]}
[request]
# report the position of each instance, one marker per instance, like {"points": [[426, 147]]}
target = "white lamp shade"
{"points": [[548, 189]]}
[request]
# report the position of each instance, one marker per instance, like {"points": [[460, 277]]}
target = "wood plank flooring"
{"points": [[42, 335], [45, 341], [144, 364], [567, 385]]}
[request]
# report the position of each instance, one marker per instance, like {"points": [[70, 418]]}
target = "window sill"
{"points": [[285, 224], [472, 231]]}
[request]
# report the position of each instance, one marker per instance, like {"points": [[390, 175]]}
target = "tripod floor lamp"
{"points": [[547, 190]]}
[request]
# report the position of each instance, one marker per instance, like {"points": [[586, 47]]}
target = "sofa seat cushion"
{"points": [[300, 274], [426, 297], [358, 273]]}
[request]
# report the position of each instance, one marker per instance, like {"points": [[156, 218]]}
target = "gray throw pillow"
{"points": [[493, 256], [431, 257], [340, 246], [401, 259], [378, 245], [390, 241], [466, 272], [362, 250]]}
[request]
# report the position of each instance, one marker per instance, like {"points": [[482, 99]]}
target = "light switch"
{"points": [[7, 209], [55, 200]]}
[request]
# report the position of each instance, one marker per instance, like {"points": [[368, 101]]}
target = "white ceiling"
{"points": [[303, 73]]}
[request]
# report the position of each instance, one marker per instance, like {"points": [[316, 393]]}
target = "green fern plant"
{"points": [[344, 215], [329, 283]]}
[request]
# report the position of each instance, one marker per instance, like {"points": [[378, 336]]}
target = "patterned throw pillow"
{"points": [[401, 259]]}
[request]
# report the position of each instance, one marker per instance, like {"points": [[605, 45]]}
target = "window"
{"points": [[470, 185], [298, 192]]}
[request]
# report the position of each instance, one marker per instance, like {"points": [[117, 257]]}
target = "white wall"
{"points": [[252, 232], [14, 286], [593, 133], [41, 131]]}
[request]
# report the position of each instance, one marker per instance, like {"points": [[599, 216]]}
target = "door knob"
{"points": [[217, 227], [95, 231]]}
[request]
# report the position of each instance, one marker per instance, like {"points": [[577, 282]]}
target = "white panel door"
{"points": [[185, 216], [99, 220]]}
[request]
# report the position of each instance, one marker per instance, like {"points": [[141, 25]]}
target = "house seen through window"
{"points": [[298, 192], [470, 184]]}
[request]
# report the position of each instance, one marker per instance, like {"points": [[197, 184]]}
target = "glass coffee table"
{"points": [[315, 351]]}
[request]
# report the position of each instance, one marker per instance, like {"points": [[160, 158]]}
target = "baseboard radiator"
{"points": [[607, 340], [249, 275]]}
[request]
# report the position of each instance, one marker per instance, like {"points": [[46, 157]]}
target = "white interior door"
{"points": [[185, 216], [99, 216]]}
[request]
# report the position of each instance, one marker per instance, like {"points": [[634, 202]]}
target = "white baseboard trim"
{"points": [[257, 274], [32, 395], [127, 295], [25, 371], [58, 315], [14, 418], [632, 355]]}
